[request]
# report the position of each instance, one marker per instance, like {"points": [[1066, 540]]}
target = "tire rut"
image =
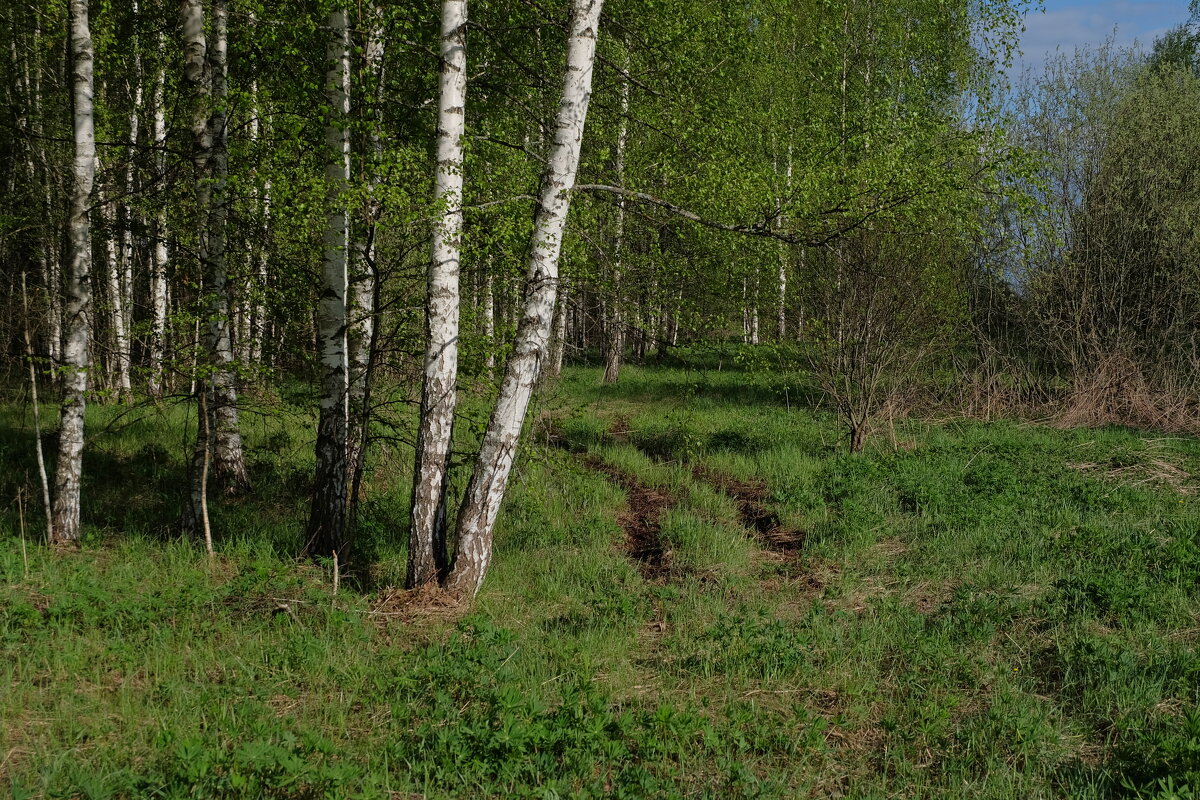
{"points": [[756, 516], [641, 523]]}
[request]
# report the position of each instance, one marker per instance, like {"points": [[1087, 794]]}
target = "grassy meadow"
{"points": [[697, 592]]}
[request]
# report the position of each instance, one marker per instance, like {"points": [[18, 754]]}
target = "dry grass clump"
{"points": [[408, 605], [1151, 468], [1117, 391]]}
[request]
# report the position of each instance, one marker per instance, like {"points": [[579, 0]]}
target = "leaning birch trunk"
{"points": [[78, 284], [228, 461], [614, 323], [426, 553], [481, 503], [327, 534], [158, 253]]}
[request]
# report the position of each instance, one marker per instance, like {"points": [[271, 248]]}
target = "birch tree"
{"points": [[78, 306], [365, 282], [438, 393], [614, 344], [158, 252], [327, 532], [198, 81], [136, 92], [205, 72], [481, 503], [228, 460], [119, 361]]}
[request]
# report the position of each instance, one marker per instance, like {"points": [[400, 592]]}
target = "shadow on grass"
{"points": [[727, 387], [134, 486]]}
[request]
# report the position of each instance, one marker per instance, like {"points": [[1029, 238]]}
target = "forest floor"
{"points": [[697, 592]]}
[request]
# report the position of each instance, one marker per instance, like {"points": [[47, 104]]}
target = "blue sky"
{"points": [[1068, 23]]}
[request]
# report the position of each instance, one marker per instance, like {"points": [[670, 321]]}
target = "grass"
{"points": [[980, 610]]}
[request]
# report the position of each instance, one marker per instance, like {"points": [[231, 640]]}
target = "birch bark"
{"points": [[754, 322], [489, 324], [127, 244], [362, 324], [614, 325], [259, 322], [228, 461], [426, 555], [327, 533], [158, 253], [198, 80], [258, 307], [116, 303], [781, 311], [481, 503], [78, 305]]}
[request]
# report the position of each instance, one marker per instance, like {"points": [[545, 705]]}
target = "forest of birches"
{"points": [[373, 209]]}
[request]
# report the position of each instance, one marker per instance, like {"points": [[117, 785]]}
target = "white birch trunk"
{"points": [[489, 325], [247, 313], [754, 322], [258, 308], [481, 503], [327, 535], [745, 311], [781, 311], [78, 283], [614, 324], [116, 303], [426, 555], [199, 81], [158, 253], [362, 325], [228, 459], [127, 250], [259, 323]]}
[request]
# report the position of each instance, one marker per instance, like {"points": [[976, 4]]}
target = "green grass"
{"points": [[992, 610]]}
